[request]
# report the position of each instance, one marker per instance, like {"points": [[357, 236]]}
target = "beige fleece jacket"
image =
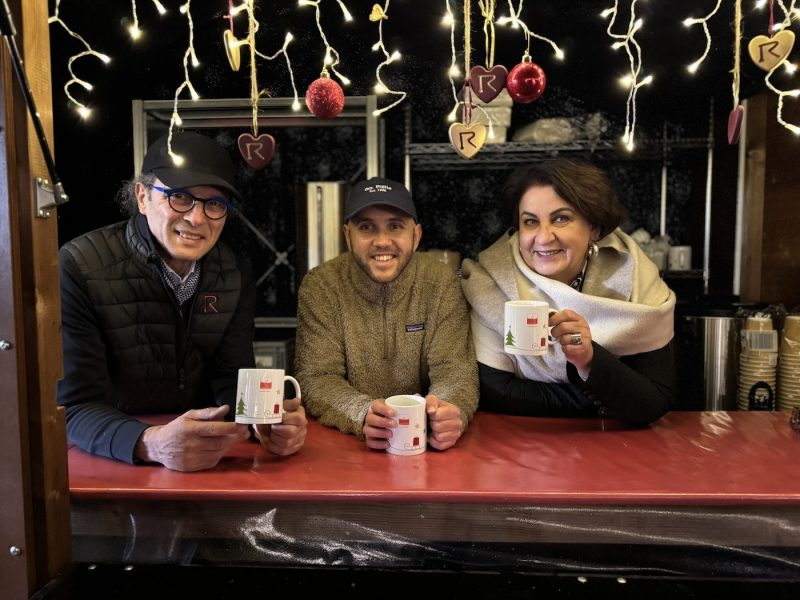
{"points": [[358, 340]]}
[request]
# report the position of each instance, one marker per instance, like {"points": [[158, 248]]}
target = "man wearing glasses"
{"points": [[157, 317]]}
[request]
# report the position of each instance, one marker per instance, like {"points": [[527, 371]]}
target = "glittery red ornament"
{"points": [[325, 97], [526, 81]]}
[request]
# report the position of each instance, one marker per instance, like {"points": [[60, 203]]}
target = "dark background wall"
{"points": [[459, 209]]}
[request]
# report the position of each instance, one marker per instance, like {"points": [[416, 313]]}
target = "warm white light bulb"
{"points": [[84, 112], [177, 159], [447, 20], [135, 32], [295, 106], [454, 71], [692, 68]]}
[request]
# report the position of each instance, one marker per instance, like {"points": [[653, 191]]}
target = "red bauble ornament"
{"points": [[325, 97], [526, 81]]}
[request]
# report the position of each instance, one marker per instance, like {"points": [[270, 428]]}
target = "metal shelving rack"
{"points": [[507, 155]]}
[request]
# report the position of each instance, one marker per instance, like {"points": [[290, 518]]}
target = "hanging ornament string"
{"points": [[467, 138], [737, 52], [771, 18], [331, 57], [466, 116], [251, 41], [487, 10], [737, 112]]}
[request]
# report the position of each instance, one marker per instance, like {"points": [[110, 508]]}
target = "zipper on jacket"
{"points": [[385, 325], [182, 333], [183, 336]]}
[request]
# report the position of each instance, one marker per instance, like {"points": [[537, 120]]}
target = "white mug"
{"points": [[525, 329], [409, 436], [259, 395], [680, 258]]}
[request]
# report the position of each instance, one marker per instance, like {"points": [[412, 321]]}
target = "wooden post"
{"points": [[35, 532]]}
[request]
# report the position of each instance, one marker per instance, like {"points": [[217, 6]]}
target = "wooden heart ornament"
{"points": [[257, 151], [487, 83], [232, 49], [467, 139], [768, 52]]}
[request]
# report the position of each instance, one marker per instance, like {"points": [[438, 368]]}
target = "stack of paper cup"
{"points": [[789, 365], [758, 362]]}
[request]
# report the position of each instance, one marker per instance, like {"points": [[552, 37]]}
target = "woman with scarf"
{"points": [[615, 315]]}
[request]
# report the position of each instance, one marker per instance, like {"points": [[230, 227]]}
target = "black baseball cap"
{"points": [[205, 162], [378, 190]]}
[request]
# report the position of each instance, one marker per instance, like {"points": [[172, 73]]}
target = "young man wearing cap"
{"points": [[157, 317], [381, 320]]}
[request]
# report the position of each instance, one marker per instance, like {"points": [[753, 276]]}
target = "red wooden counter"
{"points": [[693, 479]]}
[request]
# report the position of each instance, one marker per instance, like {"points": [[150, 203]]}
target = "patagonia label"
{"points": [[415, 327]]}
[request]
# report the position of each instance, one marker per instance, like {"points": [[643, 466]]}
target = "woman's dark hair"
{"points": [[586, 187], [126, 195]]}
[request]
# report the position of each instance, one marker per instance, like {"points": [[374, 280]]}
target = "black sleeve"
{"points": [[505, 393], [93, 424], [637, 389]]}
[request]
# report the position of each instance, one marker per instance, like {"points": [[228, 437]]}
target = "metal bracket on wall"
{"points": [[45, 197]]}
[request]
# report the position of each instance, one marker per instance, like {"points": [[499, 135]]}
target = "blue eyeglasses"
{"points": [[182, 201]]}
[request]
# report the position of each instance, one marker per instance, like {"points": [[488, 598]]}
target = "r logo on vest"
{"points": [[210, 304]]}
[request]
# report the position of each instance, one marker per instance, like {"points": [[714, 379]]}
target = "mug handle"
{"points": [[551, 341], [296, 385]]}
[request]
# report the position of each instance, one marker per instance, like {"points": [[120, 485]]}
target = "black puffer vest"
{"points": [[155, 361]]}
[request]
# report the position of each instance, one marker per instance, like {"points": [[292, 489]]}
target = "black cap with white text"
{"points": [[379, 191]]}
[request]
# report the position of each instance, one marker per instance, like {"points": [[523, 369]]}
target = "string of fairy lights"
{"points": [[633, 50], [83, 110], [134, 30], [624, 23], [380, 14]]}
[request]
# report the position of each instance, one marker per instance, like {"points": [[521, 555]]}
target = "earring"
{"points": [[591, 251]]}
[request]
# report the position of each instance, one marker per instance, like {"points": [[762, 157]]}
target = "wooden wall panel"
{"points": [[780, 260], [17, 572], [35, 516], [753, 209]]}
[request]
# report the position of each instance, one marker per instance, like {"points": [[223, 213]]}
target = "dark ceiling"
{"points": [[99, 151]]}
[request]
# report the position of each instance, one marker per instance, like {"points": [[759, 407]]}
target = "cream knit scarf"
{"points": [[628, 306]]}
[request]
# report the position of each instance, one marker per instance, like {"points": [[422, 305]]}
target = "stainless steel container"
{"points": [[714, 340], [322, 222]]}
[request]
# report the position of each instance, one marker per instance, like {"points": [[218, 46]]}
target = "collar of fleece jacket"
{"points": [[372, 291]]}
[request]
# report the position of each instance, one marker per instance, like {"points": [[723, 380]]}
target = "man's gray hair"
{"points": [[126, 196]]}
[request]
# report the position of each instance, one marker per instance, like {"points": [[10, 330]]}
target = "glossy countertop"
{"points": [[685, 458]]}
